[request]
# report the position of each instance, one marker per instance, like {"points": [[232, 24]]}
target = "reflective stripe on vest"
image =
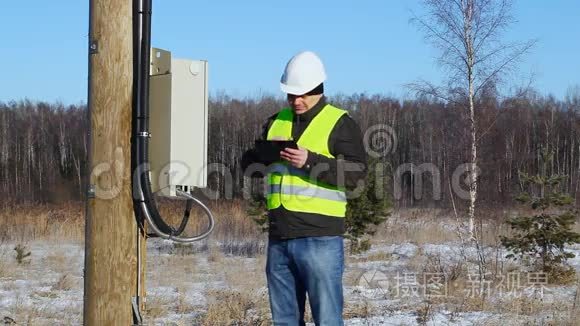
{"points": [[291, 187]]}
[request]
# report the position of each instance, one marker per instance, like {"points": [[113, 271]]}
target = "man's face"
{"points": [[302, 103]]}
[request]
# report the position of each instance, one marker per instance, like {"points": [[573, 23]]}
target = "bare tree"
{"points": [[43, 147], [468, 34]]}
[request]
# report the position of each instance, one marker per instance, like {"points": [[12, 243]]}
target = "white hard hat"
{"points": [[303, 73]]}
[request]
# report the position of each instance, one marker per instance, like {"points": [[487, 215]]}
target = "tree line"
{"points": [[44, 146]]}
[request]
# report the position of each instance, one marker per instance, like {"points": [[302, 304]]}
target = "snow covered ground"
{"points": [[391, 284]]}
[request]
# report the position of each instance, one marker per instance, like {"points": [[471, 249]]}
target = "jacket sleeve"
{"points": [[250, 156], [350, 162]]}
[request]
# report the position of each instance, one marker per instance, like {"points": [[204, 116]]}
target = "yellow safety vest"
{"points": [[291, 187]]}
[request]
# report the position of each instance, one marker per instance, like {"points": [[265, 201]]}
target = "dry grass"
{"points": [[438, 226], [6, 269], [64, 283], [23, 314], [57, 259], [235, 232], [415, 226], [182, 306], [234, 307], [379, 256], [245, 301], [361, 309], [459, 290], [232, 222], [20, 223], [425, 312], [180, 271], [435, 265], [376, 256], [157, 307], [461, 296], [243, 276]]}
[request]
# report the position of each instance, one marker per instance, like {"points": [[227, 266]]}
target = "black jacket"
{"points": [[345, 144]]}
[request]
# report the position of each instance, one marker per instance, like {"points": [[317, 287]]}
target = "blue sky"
{"points": [[367, 46]]}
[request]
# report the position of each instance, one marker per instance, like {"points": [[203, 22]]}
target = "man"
{"points": [[306, 197]]}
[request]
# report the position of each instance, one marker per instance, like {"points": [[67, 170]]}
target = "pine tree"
{"points": [[368, 210], [258, 212], [539, 240]]}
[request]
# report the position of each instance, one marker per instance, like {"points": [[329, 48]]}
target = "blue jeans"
{"points": [[310, 265]]}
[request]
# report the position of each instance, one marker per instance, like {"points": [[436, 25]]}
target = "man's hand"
{"points": [[296, 157]]}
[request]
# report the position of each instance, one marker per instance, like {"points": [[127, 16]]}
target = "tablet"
{"points": [[269, 150]]}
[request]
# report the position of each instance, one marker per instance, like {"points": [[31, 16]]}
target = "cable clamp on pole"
{"points": [[94, 47], [91, 191], [144, 134]]}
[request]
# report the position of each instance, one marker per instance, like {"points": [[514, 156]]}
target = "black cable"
{"points": [[185, 219], [140, 141], [142, 192]]}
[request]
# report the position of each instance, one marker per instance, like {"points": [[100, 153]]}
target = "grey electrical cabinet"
{"points": [[178, 123]]}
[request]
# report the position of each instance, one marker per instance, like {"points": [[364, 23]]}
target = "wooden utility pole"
{"points": [[111, 231]]}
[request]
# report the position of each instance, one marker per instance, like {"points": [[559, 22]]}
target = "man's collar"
{"points": [[310, 114]]}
